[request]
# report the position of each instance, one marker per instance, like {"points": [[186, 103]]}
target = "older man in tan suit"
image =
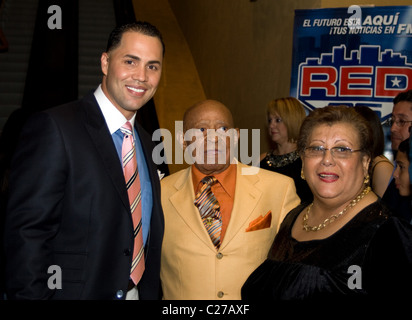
{"points": [[219, 221]]}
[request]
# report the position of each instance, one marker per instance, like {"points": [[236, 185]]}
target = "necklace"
{"points": [[333, 217], [277, 161]]}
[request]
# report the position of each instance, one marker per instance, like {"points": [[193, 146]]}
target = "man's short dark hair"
{"points": [[142, 27], [403, 96]]}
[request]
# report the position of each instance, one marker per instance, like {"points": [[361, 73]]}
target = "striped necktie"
{"points": [[209, 209], [134, 192]]}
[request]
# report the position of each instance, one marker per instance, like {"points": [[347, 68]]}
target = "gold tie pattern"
{"points": [[209, 209], [131, 176]]}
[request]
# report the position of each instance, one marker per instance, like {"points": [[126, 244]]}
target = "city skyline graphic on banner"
{"points": [[335, 64]]}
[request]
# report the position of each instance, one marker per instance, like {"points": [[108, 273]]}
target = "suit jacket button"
{"points": [[119, 294], [219, 255], [127, 252], [220, 294]]}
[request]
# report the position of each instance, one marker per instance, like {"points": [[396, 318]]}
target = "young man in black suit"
{"points": [[68, 212]]}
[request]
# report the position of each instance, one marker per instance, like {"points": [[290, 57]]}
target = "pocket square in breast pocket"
{"points": [[260, 223]]}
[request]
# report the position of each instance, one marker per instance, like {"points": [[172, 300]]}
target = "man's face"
{"points": [[401, 111], [210, 137], [132, 72]]}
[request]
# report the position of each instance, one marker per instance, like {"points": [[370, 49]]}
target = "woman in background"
{"points": [[381, 168], [284, 117]]}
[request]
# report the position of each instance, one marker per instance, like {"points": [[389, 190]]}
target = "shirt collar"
{"points": [[114, 118], [227, 179]]}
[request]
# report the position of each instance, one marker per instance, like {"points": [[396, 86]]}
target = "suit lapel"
{"points": [[100, 136], [182, 201], [246, 198]]}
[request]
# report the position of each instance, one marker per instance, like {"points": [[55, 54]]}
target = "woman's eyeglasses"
{"points": [[337, 152]]}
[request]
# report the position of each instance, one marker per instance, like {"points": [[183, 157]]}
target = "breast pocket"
{"points": [[259, 242]]}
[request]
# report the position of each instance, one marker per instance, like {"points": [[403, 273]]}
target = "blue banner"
{"points": [[353, 56]]}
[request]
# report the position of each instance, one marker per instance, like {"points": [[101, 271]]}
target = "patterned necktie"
{"points": [[209, 209], [133, 191]]}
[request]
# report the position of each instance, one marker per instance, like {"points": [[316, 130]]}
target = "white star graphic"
{"points": [[395, 82]]}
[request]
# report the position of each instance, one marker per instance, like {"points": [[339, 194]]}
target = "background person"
{"points": [[215, 236], [401, 177], [284, 118], [381, 167], [410, 157], [400, 123], [69, 205], [401, 118], [345, 225]]}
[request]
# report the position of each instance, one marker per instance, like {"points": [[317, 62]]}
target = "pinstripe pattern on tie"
{"points": [[131, 176], [209, 209]]}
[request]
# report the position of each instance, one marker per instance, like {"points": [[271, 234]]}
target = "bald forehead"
{"points": [[204, 110]]}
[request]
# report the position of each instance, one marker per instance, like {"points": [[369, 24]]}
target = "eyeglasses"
{"points": [[399, 122], [337, 152]]}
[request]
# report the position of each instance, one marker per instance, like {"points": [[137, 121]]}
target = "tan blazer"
{"points": [[191, 267]]}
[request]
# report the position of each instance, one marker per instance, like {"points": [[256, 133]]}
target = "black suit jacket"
{"points": [[68, 207]]}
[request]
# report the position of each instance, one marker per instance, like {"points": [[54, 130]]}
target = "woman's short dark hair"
{"points": [[331, 115], [376, 126], [142, 27]]}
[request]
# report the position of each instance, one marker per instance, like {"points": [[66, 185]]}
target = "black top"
{"points": [[290, 165], [401, 206], [374, 242]]}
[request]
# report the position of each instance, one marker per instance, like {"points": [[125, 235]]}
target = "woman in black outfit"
{"points": [[285, 116], [345, 243]]}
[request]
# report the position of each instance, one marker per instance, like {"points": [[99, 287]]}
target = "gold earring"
{"points": [[302, 175], [366, 180]]}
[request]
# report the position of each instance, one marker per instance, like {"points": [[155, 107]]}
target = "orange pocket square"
{"points": [[260, 223]]}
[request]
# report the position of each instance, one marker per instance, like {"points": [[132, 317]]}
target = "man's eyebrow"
{"points": [[400, 116], [132, 57], [139, 59]]}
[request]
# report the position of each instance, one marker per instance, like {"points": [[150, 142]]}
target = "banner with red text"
{"points": [[353, 56]]}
